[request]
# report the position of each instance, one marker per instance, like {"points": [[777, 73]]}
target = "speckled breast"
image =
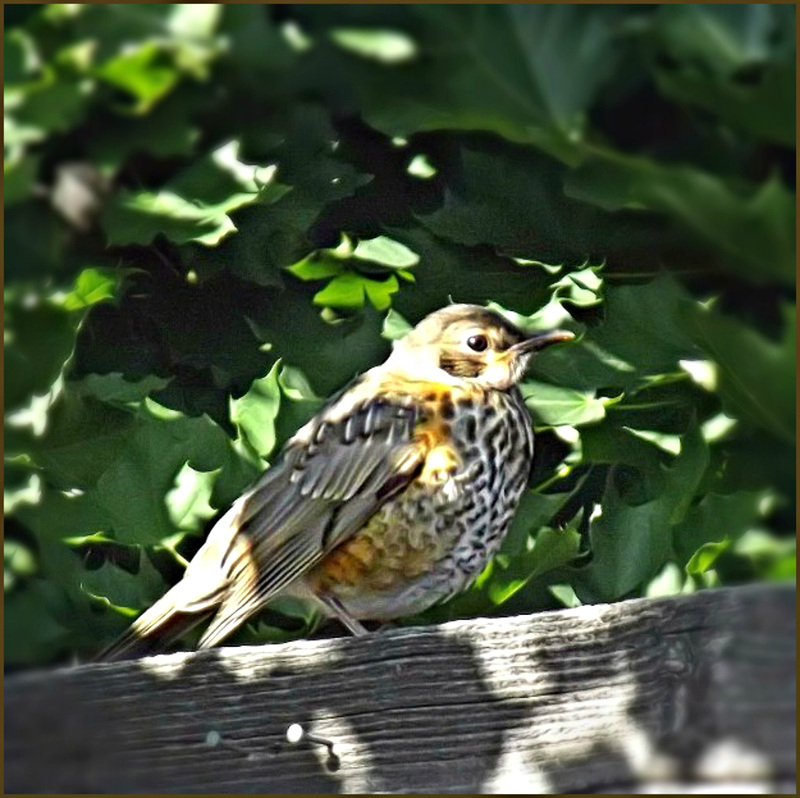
{"points": [[435, 537]]}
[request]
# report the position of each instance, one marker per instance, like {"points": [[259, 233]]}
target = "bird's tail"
{"points": [[153, 631], [222, 577]]}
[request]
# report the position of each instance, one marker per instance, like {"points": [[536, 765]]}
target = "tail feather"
{"points": [[222, 572], [153, 631]]}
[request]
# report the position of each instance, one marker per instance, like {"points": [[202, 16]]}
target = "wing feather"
{"points": [[329, 482]]}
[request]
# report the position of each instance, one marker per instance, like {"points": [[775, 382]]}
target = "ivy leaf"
{"points": [[535, 511], [196, 205], [498, 69], [754, 228], [395, 326], [304, 340], [644, 326], [705, 557], [188, 501], [716, 518], [131, 492], [93, 286], [32, 634], [756, 379], [254, 413], [299, 403], [515, 201], [735, 61], [557, 406], [145, 73], [115, 389], [124, 592], [387, 252], [629, 544], [40, 330]]}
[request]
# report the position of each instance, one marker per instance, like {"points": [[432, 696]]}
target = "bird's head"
{"points": [[470, 343]]}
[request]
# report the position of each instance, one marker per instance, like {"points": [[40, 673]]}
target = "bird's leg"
{"points": [[341, 614]]}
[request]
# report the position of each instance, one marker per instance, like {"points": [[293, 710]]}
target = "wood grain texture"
{"points": [[693, 690]]}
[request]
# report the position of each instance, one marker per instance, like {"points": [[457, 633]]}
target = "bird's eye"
{"points": [[477, 343]]}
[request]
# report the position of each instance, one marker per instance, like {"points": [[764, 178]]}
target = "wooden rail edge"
{"points": [[685, 691]]}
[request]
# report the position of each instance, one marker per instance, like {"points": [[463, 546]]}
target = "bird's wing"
{"points": [[357, 453], [331, 478]]}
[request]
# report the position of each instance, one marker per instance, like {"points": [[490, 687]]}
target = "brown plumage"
{"points": [[392, 498]]}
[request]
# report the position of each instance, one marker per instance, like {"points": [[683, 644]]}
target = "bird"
{"points": [[392, 498]]}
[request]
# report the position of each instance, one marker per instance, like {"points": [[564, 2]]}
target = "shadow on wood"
{"points": [[692, 689]]}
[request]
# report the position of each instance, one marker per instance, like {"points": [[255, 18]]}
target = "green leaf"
{"points": [[184, 31], [114, 388], [644, 325], [21, 486], [557, 406], [254, 413], [395, 326], [276, 236], [771, 557], [384, 46], [452, 272], [31, 634], [255, 46], [38, 339], [629, 544], [188, 501], [50, 105], [553, 548], [609, 443], [763, 110], [145, 73], [81, 439], [705, 557], [93, 286], [379, 292], [124, 592], [165, 130], [754, 227], [301, 403], [131, 493], [513, 199], [18, 563], [194, 206], [670, 581], [344, 291], [19, 176], [713, 49], [756, 375], [348, 291], [387, 252], [497, 68], [717, 518], [535, 511], [317, 266], [19, 56]]}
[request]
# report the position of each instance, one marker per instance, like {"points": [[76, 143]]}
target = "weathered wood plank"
{"points": [[695, 689]]}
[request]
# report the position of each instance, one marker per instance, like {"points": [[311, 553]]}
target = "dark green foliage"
{"points": [[216, 216]]}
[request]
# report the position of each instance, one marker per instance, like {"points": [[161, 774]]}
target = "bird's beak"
{"points": [[539, 341]]}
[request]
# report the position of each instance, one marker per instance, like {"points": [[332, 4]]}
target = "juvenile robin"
{"points": [[392, 498]]}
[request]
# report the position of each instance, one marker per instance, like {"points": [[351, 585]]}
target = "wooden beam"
{"points": [[694, 690]]}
